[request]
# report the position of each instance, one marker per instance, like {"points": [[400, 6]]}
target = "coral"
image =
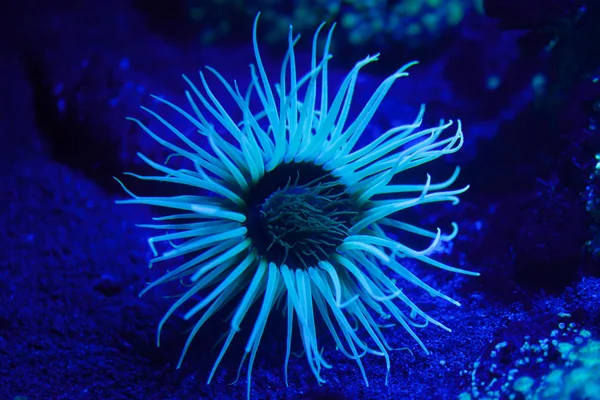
{"points": [[289, 209], [565, 365], [412, 23], [592, 199]]}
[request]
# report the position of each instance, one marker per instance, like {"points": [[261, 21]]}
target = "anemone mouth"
{"points": [[298, 214]]}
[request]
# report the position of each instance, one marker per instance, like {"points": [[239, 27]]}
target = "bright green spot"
{"points": [[584, 332], [349, 20], [431, 21], [456, 13], [523, 384], [493, 82], [413, 7], [413, 29]]}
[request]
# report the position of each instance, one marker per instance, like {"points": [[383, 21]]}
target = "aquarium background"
{"points": [[524, 78]]}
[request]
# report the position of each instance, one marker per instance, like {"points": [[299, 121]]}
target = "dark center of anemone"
{"points": [[298, 214]]}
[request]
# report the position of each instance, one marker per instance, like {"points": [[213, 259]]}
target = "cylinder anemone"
{"points": [[286, 210]]}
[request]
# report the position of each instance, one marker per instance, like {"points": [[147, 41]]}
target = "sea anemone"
{"points": [[288, 210]]}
